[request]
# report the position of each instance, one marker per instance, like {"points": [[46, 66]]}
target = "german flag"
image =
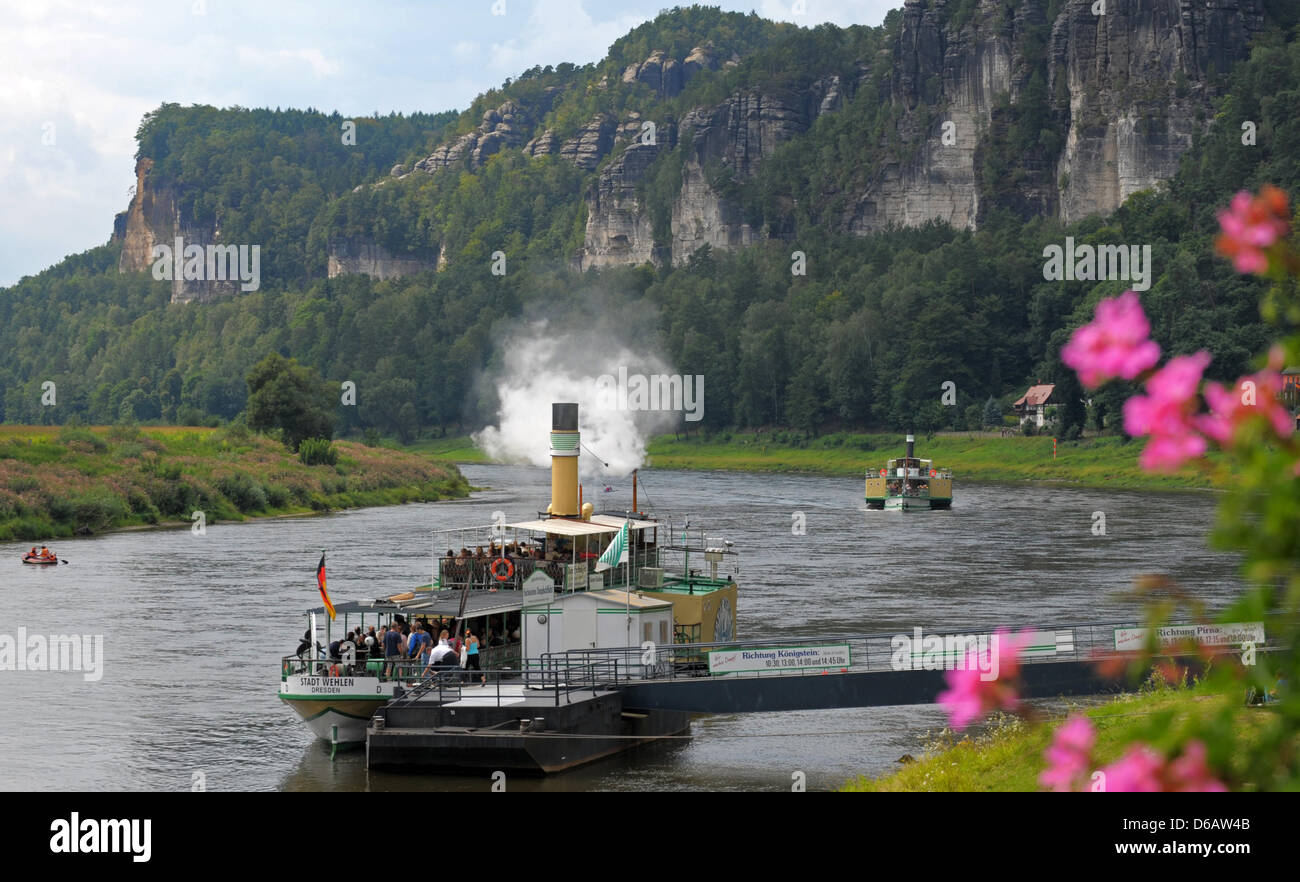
{"points": [[320, 581]]}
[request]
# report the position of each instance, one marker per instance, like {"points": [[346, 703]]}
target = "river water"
{"points": [[194, 626]]}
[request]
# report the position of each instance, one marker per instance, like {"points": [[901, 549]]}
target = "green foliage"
{"points": [[317, 451], [244, 492], [992, 415], [861, 341], [286, 396]]}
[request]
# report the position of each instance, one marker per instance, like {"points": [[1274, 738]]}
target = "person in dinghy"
{"points": [[44, 556]]}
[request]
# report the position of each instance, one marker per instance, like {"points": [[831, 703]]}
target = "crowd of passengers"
{"points": [[515, 551], [475, 566], [411, 648]]}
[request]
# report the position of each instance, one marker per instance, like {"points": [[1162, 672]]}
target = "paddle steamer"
{"points": [[532, 591], [909, 484]]}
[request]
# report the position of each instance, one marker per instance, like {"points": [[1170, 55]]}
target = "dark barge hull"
{"points": [[435, 738]]}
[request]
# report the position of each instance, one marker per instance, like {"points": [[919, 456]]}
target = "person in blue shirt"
{"points": [[394, 645]]}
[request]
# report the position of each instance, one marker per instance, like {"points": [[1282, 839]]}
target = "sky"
{"points": [[76, 76]]}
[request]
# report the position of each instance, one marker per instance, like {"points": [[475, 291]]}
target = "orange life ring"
{"points": [[882, 473], [934, 473], [510, 569]]}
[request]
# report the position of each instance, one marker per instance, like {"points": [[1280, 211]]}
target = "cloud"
{"points": [[288, 60], [554, 32], [93, 69], [809, 13]]}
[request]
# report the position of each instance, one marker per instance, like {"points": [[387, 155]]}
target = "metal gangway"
{"points": [[863, 670]]}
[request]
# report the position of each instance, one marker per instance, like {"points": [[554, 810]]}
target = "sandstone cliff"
{"points": [[154, 218], [990, 104]]}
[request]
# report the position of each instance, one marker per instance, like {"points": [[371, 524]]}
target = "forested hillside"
{"points": [[862, 340]]}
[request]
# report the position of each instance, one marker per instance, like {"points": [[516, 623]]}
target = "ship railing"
{"points": [[909, 649], [562, 681], [403, 670]]}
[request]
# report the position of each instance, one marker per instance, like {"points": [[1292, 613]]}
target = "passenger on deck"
{"points": [[415, 642], [472, 663], [442, 656], [348, 648], [394, 648]]}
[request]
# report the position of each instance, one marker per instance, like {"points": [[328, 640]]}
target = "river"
{"points": [[193, 626]]}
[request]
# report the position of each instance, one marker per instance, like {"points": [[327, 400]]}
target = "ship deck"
{"points": [[504, 694]]}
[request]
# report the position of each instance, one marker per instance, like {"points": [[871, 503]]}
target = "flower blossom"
{"points": [[1137, 771], [1230, 408], [1250, 225], [1069, 755], [986, 682], [1114, 344], [1190, 774], [1166, 413], [1142, 770]]}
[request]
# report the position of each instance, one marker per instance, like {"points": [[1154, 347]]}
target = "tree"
{"points": [[992, 412], [284, 395]]}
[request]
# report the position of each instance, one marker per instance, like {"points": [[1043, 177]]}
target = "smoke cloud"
{"points": [[540, 368]]}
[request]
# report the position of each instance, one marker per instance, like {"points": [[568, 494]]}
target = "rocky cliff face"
{"points": [[502, 128], [1125, 91], [349, 257], [619, 229], [992, 105], [1128, 89], [1139, 86], [154, 218]]}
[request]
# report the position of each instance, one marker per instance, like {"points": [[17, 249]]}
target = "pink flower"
{"points": [[1138, 771], [1190, 774], [1166, 413], [987, 681], [1250, 225], [1114, 344], [1142, 770], [1069, 755], [1253, 396]]}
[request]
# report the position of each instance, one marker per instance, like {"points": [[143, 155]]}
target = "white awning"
{"points": [[564, 527], [617, 523]]}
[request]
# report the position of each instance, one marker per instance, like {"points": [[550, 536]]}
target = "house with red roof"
{"points": [[1034, 404]]}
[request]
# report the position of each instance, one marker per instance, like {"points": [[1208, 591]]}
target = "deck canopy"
{"points": [[433, 603], [563, 527], [616, 522], [601, 524]]}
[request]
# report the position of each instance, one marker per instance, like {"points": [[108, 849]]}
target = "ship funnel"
{"points": [[565, 444], [911, 445]]}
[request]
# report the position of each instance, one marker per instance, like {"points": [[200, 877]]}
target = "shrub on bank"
{"points": [[243, 492], [317, 451]]}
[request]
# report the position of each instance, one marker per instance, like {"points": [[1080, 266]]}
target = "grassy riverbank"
{"points": [[459, 448], [973, 456], [1008, 756], [67, 481]]}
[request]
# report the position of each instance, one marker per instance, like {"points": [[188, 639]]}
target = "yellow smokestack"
{"points": [[565, 442]]}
